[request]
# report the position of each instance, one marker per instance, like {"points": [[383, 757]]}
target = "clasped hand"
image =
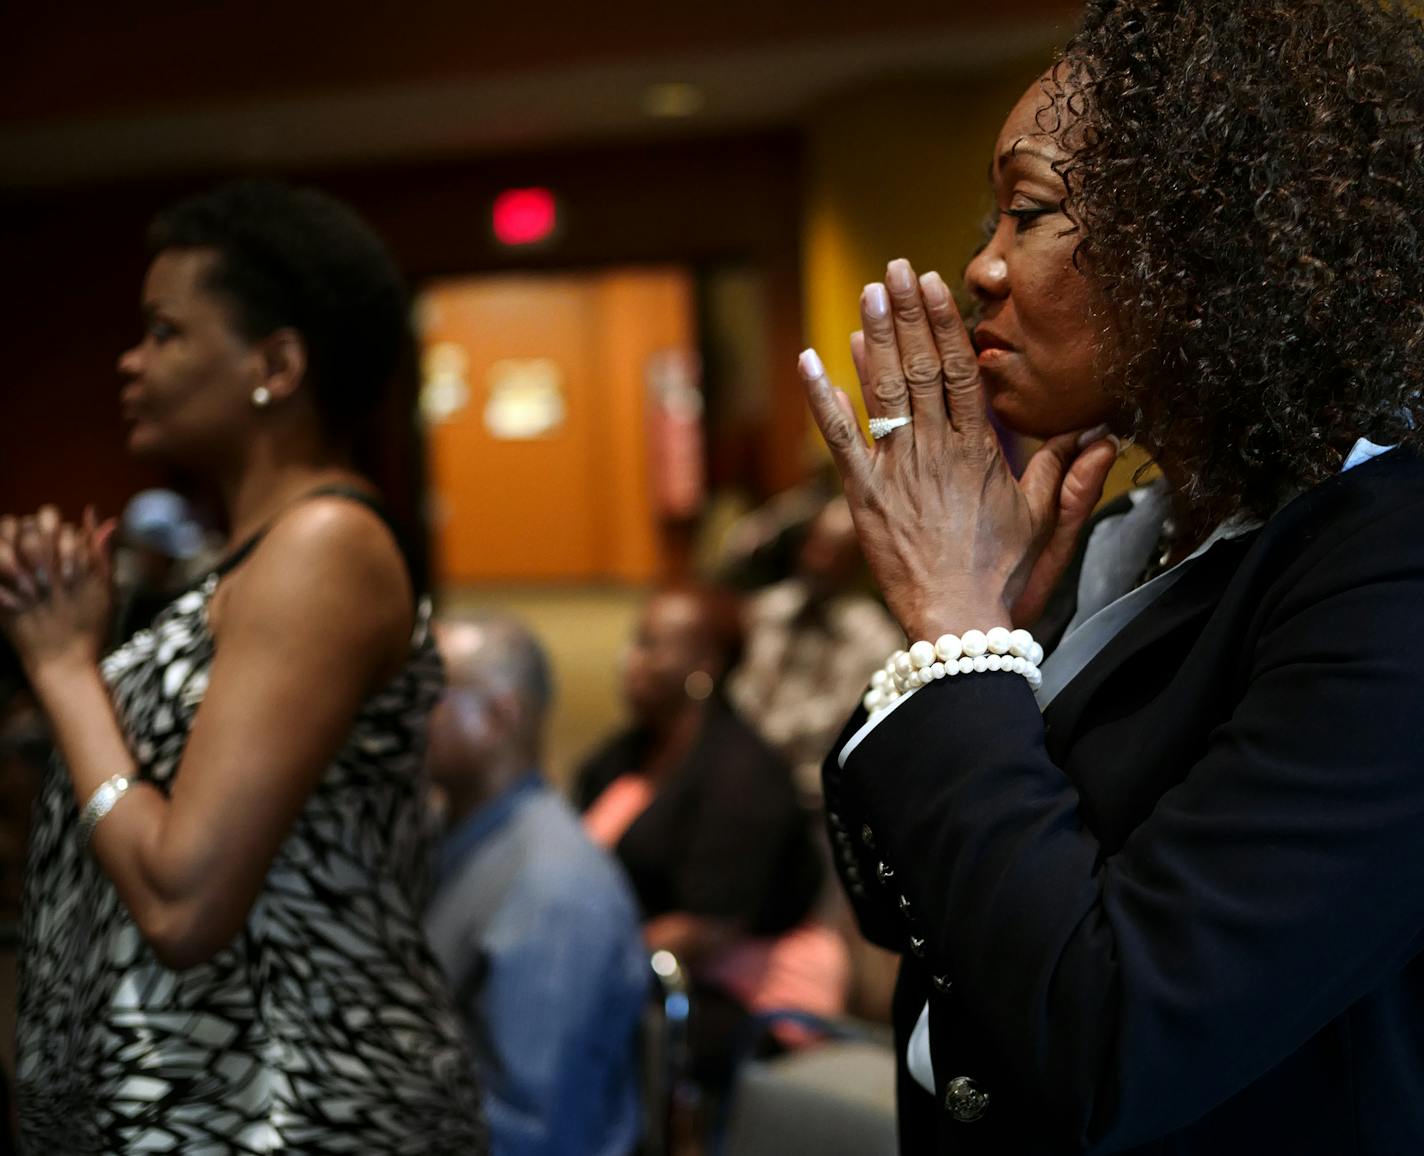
{"points": [[55, 587], [953, 539]]}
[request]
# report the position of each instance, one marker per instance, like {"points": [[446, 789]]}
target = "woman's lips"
{"points": [[989, 346]]}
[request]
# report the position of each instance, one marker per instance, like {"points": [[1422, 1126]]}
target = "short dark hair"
{"points": [[1249, 183], [289, 257]]}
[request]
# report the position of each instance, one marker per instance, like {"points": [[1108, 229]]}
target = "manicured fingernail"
{"points": [[899, 276], [811, 367], [875, 300], [935, 291], [1097, 433]]}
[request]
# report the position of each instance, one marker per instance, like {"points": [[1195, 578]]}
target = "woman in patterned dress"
{"points": [[234, 961]]}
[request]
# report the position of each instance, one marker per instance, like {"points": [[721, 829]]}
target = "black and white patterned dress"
{"points": [[324, 1028]]}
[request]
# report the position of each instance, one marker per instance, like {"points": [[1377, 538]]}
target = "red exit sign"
{"points": [[524, 216]]}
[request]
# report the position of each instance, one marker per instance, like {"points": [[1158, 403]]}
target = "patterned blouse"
{"points": [[325, 1027]]}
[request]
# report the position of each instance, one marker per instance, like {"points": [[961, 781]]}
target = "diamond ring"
{"points": [[883, 426]]}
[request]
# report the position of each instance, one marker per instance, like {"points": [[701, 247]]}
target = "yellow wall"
{"points": [[900, 170]]}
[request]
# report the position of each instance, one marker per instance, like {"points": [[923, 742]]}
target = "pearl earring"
{"points": [[698, 685], [261, 397]]}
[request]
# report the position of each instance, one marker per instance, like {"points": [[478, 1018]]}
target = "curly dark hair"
{"points": [[299, 258], [1248, 180]]}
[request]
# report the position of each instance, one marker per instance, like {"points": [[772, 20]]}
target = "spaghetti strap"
{"points": [[231, 561], [364, 498], [234, 559]]}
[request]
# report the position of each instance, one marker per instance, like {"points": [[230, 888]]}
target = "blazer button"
{"points": [[964, 1100], [917, 946], [904, 906], [867, 836], [942, 983], [884, 871]]}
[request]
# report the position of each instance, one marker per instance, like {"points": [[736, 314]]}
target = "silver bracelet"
{"points": [[100, 803]]}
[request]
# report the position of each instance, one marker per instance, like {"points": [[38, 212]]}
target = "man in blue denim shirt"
{"points": [[536, 927]]}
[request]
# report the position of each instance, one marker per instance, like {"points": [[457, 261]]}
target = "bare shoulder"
{"points": [[331, 533], [328, 566]]}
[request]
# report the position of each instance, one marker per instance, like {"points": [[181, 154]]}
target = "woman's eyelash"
{"points": [[1028, 214]]}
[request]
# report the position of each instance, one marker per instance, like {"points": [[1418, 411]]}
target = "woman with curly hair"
{"points": [[1161, 891]]}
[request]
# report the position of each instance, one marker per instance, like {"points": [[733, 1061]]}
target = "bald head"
{"points": [[488, 727], [492, 650]]}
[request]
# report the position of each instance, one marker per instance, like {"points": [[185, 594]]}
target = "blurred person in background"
{"points": [[222, 926], [813, 641], [760, 548], [704, 817], [157, 551], [535, 927], [25, 750]]}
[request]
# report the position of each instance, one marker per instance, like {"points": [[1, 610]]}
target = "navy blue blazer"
{"points": [[1182, 911]]}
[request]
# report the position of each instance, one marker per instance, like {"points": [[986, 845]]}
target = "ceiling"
{"points": [[120, 91]]}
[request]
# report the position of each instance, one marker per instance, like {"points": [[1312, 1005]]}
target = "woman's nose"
{"points": [[987, 275]]}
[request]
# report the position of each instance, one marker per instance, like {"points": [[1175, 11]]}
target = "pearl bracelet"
{"points": [[1014, 651]]}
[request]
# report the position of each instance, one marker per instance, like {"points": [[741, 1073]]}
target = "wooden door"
{"points": [[536, 405]]}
